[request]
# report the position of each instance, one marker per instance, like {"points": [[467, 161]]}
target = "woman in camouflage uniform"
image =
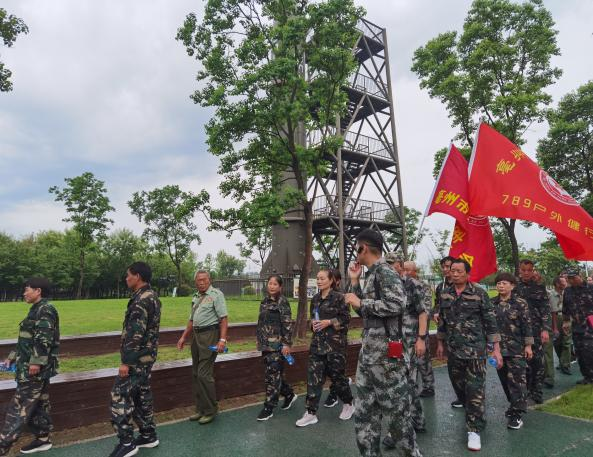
{"points": [[330, 316], [516, 338], [274, 339]]}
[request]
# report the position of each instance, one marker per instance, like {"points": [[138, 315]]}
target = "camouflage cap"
{"points": [[392, 257], [572, 271]]}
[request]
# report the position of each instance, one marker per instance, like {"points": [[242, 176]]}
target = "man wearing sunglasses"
{"points": [[382, 382]]}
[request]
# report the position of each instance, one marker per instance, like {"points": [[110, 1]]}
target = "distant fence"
{"points": [[250, 288]]}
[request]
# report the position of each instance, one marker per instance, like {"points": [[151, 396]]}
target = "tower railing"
{"points": [[365, 210], [360, 143]]}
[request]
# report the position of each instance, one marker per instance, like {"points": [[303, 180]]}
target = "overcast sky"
{"points": [[104, 87]]}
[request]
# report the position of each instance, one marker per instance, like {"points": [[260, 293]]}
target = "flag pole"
{"points": [[434, 189]]}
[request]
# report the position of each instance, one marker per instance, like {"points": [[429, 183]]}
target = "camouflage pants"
{"points": [[384, 389], [333, 365], [468, 377], [425, 369], [416, 411], [29, 406], [513, 379], [563, 348], [274, 378], [131, 398], [536, 371], [583, 347]]}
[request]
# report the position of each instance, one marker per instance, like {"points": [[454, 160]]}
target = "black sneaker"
{"points": [[265, 414], [566, 371], [330, 401], [515, 423], [288, 401], [426, 393], [146, 441], [36, 445], [508, 414], [123, 450], [457, 404]]}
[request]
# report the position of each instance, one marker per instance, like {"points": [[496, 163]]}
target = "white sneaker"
{"points": [[307, 419], [347, 412], [473, 441]]}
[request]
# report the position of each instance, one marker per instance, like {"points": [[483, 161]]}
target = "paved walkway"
{"points": [[237, 433]]}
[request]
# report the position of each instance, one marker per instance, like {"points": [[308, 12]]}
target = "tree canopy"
{"points": [[10, 27]]}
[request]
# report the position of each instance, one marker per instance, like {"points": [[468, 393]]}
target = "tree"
{"points": [[228, 265], [273, 71], [495, 70], [167, 213], [567, 151], [258, 241], [412, 220], [10, 27], [441, 241], [550, 260], [88, 205]]}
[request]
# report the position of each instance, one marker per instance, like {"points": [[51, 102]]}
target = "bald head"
{"points": [[410, 269]]}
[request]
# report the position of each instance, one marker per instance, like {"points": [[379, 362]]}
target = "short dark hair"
{"points": [[446, 259], [141, 269], [39, 282], [468, 267], [556, 281], [527, 262], [504, 276], [372, 238]]}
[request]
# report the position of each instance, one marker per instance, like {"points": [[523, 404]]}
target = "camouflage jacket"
{"points": [[387, 302], [536, 297], [577, 304], [38, 342], [334, 337], [514, 324], [274, 324], [140, 333], [416, 304], [467, 321], [444, 284]]}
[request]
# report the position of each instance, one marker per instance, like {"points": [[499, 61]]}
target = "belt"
{"points": [[206, 328]]}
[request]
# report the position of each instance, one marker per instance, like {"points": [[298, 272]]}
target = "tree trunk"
{"points": [[302, 314], [81, 279], [509, 226], [178, 266]]}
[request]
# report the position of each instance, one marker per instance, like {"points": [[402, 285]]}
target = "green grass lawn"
{"points": [[577, 402], [166, 354], [78, 317]]}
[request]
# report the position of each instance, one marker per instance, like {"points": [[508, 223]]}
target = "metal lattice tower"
{"points": [[363, 187]]}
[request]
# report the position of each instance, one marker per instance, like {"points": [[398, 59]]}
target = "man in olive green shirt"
{"points": [[207, 327]]}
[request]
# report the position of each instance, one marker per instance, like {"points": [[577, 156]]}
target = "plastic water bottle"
{"points": [[492, 361], [8, 368], [317, 314], [213, 348], [288, 357]]}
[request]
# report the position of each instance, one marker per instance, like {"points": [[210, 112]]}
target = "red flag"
{"points": [[451, 194], [504, 182], [472, 236], [475, 245]]}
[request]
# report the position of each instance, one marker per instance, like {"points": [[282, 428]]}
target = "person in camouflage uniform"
{"points": [[536, 296], [36, 358], [562, 334], [131, 395], [467, 321], [382, 382], [577, 306], [274, 339], [514, 323], [425, 362], [330, 316]]}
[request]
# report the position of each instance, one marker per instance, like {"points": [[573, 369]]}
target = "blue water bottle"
{"points": [[8, 368], [492, 361], [213, 348], [317, 314], [288, 357]]}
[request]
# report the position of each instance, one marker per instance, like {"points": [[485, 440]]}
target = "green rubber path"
{"points": [[237, 433]]}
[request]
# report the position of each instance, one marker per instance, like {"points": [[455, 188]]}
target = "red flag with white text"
{"points": [[505, 182], [475, 244]]}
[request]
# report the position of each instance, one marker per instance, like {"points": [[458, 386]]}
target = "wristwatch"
{"points": [[222, 340], [422, 337]]}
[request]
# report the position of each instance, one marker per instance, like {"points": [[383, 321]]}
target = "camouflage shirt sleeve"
{"points": [[133, 333], [489, 318], [343, 318], [286, 323], [567, 304], [43, 337], [545, 310], [392, 297], [526, 329]]}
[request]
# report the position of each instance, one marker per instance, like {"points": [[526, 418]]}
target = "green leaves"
{"points": [[10, 27], [168, 214]]}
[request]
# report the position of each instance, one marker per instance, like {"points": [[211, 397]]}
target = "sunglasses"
{"points": [[359, 249]]}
